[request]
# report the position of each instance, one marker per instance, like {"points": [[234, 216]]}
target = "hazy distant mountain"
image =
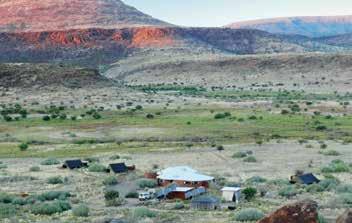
{"points": [[50, 15], [307, 26]]}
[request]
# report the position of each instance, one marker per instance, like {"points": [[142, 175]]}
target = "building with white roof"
{"points": [[183, 176]]}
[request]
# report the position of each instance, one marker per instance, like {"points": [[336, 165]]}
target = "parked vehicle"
{"points": [[143, 196]]}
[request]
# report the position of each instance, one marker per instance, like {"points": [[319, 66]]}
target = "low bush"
{"points": [[95, 167], [81, 211], [336, 166], [345, 198], [330, 153], [23, 146], [34, 169], [249, 193], [345, 188], [178, 206], [132, 194], [249, 214], [55, 180], [109, 181], [53, 195], [239, 155], [50, 208], [147, 184], [50, 161], [142, 212], [7, 211], [250, 159], [114, 202], [111, 194], [288, 191]]}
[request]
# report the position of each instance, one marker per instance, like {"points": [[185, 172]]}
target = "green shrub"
{"points": [[34, 169], [23, 146], [239, 155], [50, 208], [147, 184], [345, 188], [336, 166], [256, 180], [329, 184], [53, 195], [46, 118], [7, 211], [50, 161], [321, 219], [55, 180], [250, 159], [249, 193], [249, 214], [178, 206], [109, 181], [314, 188], [114, 202], [111, 194], [95, 167], [142, 212], [3, 166], [19, 201], [330, 153], [115, 157], [345, 198], [288, 191], [132, 194], [81, 211], [6, 198]]}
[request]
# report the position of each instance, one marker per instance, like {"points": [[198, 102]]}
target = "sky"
{"points": [[222, 12]]}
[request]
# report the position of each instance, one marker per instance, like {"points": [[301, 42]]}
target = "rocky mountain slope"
{"points": [[307, 26], [94, 47], [53, 15]]}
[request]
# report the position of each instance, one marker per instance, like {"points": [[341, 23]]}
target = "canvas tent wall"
{"points": [[231, 194]]}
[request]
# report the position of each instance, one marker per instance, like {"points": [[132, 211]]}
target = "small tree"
{"points": [[249, 193], [23, 146]]}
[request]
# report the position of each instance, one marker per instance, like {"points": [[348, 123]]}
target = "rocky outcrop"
{"points": [[300, 212], [346, 217]]}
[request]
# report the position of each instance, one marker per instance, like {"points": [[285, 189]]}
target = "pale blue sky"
{"points": [[223, 12]]}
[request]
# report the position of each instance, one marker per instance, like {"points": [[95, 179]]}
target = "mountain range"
{"points": [[100, 32], [310, 26]]}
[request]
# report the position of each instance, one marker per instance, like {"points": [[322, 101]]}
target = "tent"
{"points": [[306, 179], [231, 194], [119, 167], [74, 164]]}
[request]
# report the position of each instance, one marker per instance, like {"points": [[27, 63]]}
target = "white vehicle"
{"points": [[143, 196]]}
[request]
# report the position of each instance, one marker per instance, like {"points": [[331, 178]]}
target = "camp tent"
{"points": [[306, 179], [231, 194], [74, 164], [119, 167]]}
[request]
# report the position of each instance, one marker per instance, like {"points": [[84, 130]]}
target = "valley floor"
{"points": [[256, 139]]}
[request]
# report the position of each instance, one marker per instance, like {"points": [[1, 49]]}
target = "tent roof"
{"points": [[232, 189], [118, 167], [72, 164], [308, 178], [183, 173]]}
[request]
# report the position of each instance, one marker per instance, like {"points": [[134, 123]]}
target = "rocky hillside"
{"points": [[308, 71], [46, 75], [93, 47], [307, 26], [53, 15]]}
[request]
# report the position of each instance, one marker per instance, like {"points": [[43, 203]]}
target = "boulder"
{"points": [[300, 212], [346, 217]]}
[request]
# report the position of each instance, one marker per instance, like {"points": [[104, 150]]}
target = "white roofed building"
{"points": [[183, 176], [231, 194]]}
